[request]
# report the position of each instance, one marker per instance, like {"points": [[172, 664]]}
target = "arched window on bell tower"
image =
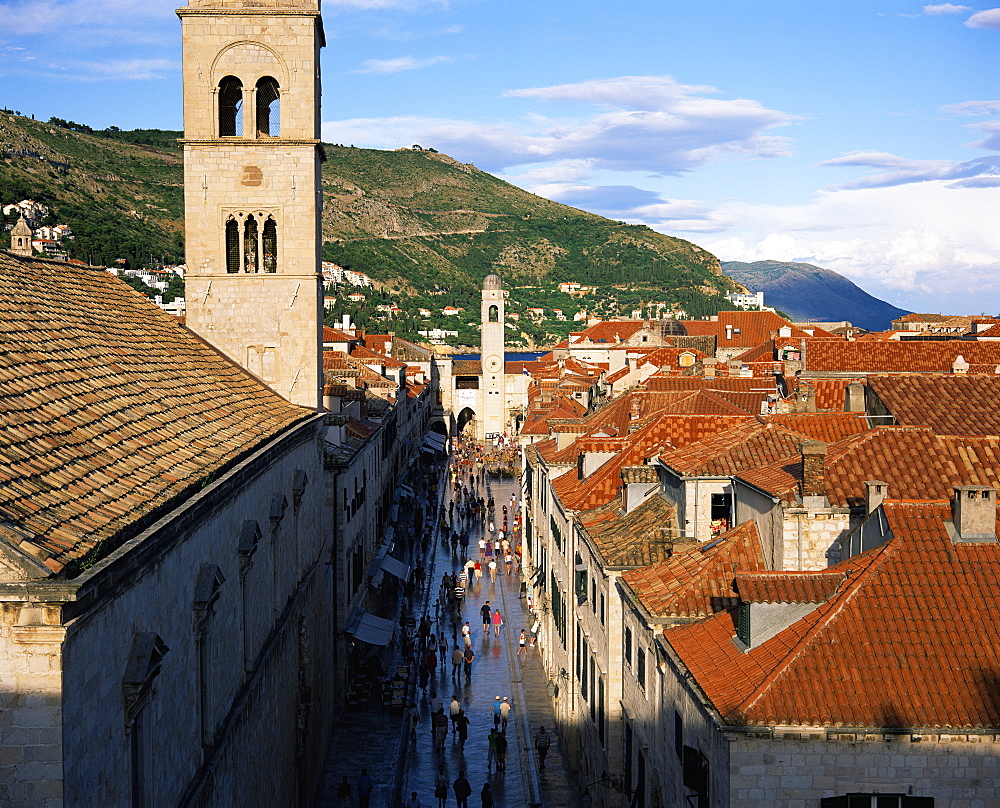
{"points": [[250, 231], [494, 314], [268, 104], [270, 245], [232, 246], [230, 107]]}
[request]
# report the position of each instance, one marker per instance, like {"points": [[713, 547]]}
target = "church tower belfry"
{"points": [[252, 186], [492, 349]]}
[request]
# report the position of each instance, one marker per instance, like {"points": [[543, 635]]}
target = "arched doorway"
{"points": [[440, 427], [465, 417]]}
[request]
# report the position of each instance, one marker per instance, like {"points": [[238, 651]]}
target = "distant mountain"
{"points": [[807, 292]]}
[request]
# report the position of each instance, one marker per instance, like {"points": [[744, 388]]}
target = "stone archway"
{"points": [[440, 427], [465, 417]]}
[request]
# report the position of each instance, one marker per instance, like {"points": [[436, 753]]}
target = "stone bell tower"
{"points": [[252, 191], [492, 347]]}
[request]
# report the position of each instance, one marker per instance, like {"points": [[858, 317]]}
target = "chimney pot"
{"points": [[813, 487], [974, 513], [875, 493]]}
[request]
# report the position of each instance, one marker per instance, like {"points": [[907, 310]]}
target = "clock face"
{"points": [[493, 364]]}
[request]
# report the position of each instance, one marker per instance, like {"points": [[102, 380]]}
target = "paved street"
{"points": [[373, 738]]}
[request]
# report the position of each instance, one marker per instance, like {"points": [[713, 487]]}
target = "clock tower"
{"points": [[493, 389]]}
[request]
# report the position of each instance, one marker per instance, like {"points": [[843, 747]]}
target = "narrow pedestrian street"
{"points": [[374, 738]]}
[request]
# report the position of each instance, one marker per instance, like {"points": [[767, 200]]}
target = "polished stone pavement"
{"points": [[373, 737]]}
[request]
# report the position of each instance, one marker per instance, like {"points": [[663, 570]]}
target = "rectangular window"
{"points": [[578, 674], [593, 595], [600, 711], [584, 654], [602, 608], [627, 646], [593, 680], [640, 667], [678, 735]]}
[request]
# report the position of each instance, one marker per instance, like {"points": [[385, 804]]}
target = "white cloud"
{"points": [[632, 123], [980, 172], [945, 8], [917, 244], [401, 64], [990, 18], [973, 108], [26, 17]]}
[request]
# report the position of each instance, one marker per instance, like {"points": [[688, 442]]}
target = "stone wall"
{"points": [[241, 724], [959, 773]]}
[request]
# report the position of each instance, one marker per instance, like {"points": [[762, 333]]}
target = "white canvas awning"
{"points": [[371, 629], [396, 567], [435, 442]]}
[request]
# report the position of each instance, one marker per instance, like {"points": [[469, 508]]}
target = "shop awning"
{"points": [[396, 567], [371, 629], [434, 442]]}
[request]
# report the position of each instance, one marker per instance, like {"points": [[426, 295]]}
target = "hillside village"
{"points": [[722, 560]]}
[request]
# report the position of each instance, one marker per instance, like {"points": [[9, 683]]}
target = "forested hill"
{"points": [[412, 219]]}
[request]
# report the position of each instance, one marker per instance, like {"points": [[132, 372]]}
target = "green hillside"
{"points": [[424, 226]]}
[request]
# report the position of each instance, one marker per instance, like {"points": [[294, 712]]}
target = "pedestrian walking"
{"points": [[462, 790], [462, 728], [543, 740], [364, 786], [454, 709], [466, 630], [413, 802], [502, 751], [439, 727], [496, 712], [441, 786], [482, 547], [486, 795], [344, 793], [508, 561], [505, 708], [413, 718], [491, 749], [442, 649], [497, 622], [478, 570], [493, 570], [486, 613], [469, 656]]}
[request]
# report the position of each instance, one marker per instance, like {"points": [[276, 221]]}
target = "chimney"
{"points": [[974, 513], [875, 493], [813, 486], [855, 401], [709, 363], [960, 365], [729, 332], [638, 482]]}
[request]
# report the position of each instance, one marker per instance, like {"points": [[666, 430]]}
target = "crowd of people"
{"points": [[467, 515]]}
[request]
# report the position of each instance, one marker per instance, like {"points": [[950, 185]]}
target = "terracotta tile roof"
{"points": [[633, 539], [890, 356], [659, 434], [788, 587], [741, 447], [335, 335], [607, 331], [467, 367], [916, 463], [364, 354], [831, 394], [828, 427], [950, 405], [111, 410], [911, 630], [993, 332], [748, 329], [697, 581], [621, 373], [662, 383]]}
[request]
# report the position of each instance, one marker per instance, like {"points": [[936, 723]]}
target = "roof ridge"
{"points": [[840, 599]]}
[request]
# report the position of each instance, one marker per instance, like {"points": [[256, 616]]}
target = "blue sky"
{"points": [[859, 136]]}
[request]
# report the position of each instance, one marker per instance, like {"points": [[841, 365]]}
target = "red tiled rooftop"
{"points": [[698, 581], [948, 404], [891, 356], [111, 409], [911, 630]]}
